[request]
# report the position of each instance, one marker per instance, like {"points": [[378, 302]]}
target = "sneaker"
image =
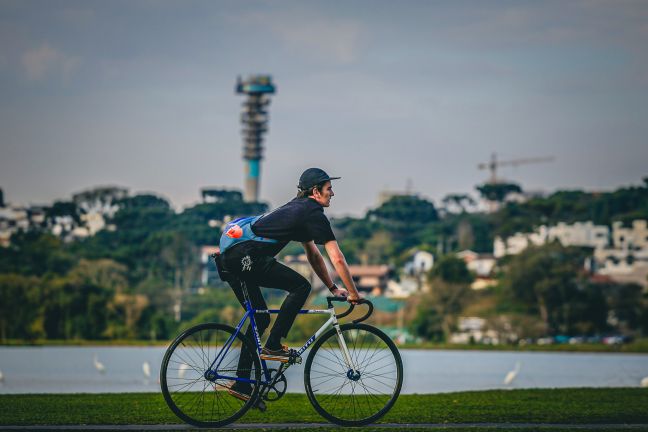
{"points": [[242, 392], [280, 355]]}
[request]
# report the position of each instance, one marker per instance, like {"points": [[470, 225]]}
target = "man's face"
{"points": [[324, 197]]}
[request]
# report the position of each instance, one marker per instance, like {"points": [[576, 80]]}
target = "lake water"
{"points": [[72, 370]]}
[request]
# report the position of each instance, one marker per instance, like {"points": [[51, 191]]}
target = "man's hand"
{"points": [[339, 292], [353, 298]]}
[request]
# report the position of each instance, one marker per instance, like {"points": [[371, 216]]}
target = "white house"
{"points": [[635, 237], [516, 243], [421, 262], [480, 264], [584, 234], [627, 261]]}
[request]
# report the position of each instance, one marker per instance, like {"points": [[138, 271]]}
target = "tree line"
{"points": [[140, 279]]}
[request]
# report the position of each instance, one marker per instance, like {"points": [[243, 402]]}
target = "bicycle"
{"points": [[353, 373]]}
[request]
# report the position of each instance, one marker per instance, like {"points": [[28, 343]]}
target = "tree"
{"points": [[379, 248], [104, 273], [465, 236], [546, 280], [35, 253], [73, 309], [625, 306], [498, 191], [19, 309], [458, 201], [451, 269], [428, 323], [182, 257], [63, 209], [450, 289], [405, 209]]}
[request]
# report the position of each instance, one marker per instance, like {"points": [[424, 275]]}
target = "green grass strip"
{"points": [[600, 405]]}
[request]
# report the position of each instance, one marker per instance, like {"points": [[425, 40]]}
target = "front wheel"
{"points": [[348, 396], [199, 394]]}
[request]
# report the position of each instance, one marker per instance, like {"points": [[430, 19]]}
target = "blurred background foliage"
{"points": [[124, 282]]}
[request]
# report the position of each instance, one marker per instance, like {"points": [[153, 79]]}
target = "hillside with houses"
{"points": [[105, 264]]}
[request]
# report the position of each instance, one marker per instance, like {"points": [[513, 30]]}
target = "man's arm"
{"points": [[342, 268], [317, 262]]}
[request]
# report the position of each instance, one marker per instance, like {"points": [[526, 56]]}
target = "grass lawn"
{"points": [[608, 405]]}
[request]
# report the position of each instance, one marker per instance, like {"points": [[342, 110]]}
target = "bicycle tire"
{"points": [[196, 348], [326, 375]]}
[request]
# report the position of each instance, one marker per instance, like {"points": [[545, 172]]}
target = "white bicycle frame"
{"points": [[250, 312], [331, 321]]}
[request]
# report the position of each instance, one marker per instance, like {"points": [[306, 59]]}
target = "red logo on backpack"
{"points": [[234, 232]]}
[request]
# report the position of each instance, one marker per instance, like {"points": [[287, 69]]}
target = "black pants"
{"points": [[264, 271]]}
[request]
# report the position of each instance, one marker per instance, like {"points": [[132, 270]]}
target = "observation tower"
{"points": [[254, 118]]}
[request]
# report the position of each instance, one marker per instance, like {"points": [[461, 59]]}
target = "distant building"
{"points": [[12, 219], [419, 263], [403, 289], [300, 264], [516, 243], [413, 278], [582, 234], [482, 266], [623, 266], [634, 238], [371, 278]]}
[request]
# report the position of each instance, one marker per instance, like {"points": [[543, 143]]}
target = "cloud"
{"points": [[327, 39], [45, 60]]}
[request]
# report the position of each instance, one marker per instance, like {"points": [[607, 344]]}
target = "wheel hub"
{"points": [[210, 375], [353, 375]]}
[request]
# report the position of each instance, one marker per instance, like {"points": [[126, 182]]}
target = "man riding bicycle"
{"points": [[249, 245]]}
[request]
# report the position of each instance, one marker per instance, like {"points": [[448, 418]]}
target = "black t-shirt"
{"points": [[301, 219]]}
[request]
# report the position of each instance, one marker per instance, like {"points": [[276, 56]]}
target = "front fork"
{"points": [[353, 373]]}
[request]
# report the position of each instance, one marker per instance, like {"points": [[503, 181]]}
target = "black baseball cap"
{"points": [[312, 177]]}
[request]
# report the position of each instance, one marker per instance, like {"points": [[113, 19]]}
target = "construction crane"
{"points": [[494, 164]]}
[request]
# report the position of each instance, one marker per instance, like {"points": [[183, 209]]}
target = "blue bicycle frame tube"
{"points": [[249, 313]]}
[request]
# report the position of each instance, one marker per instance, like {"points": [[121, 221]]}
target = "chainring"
{"points": [[278, 389]]}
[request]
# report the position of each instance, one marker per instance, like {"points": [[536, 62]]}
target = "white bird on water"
{"points": [[98, 365], [644, 382], [508, 379], [146, 368]]}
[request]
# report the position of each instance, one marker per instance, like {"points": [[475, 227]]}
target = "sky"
{"points": [[140, 94]]}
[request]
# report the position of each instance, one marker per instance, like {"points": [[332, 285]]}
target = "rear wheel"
{"points": [[185, 371], [353, 397]]}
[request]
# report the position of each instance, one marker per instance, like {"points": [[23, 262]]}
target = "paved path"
{"points": [[165, 427]]}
